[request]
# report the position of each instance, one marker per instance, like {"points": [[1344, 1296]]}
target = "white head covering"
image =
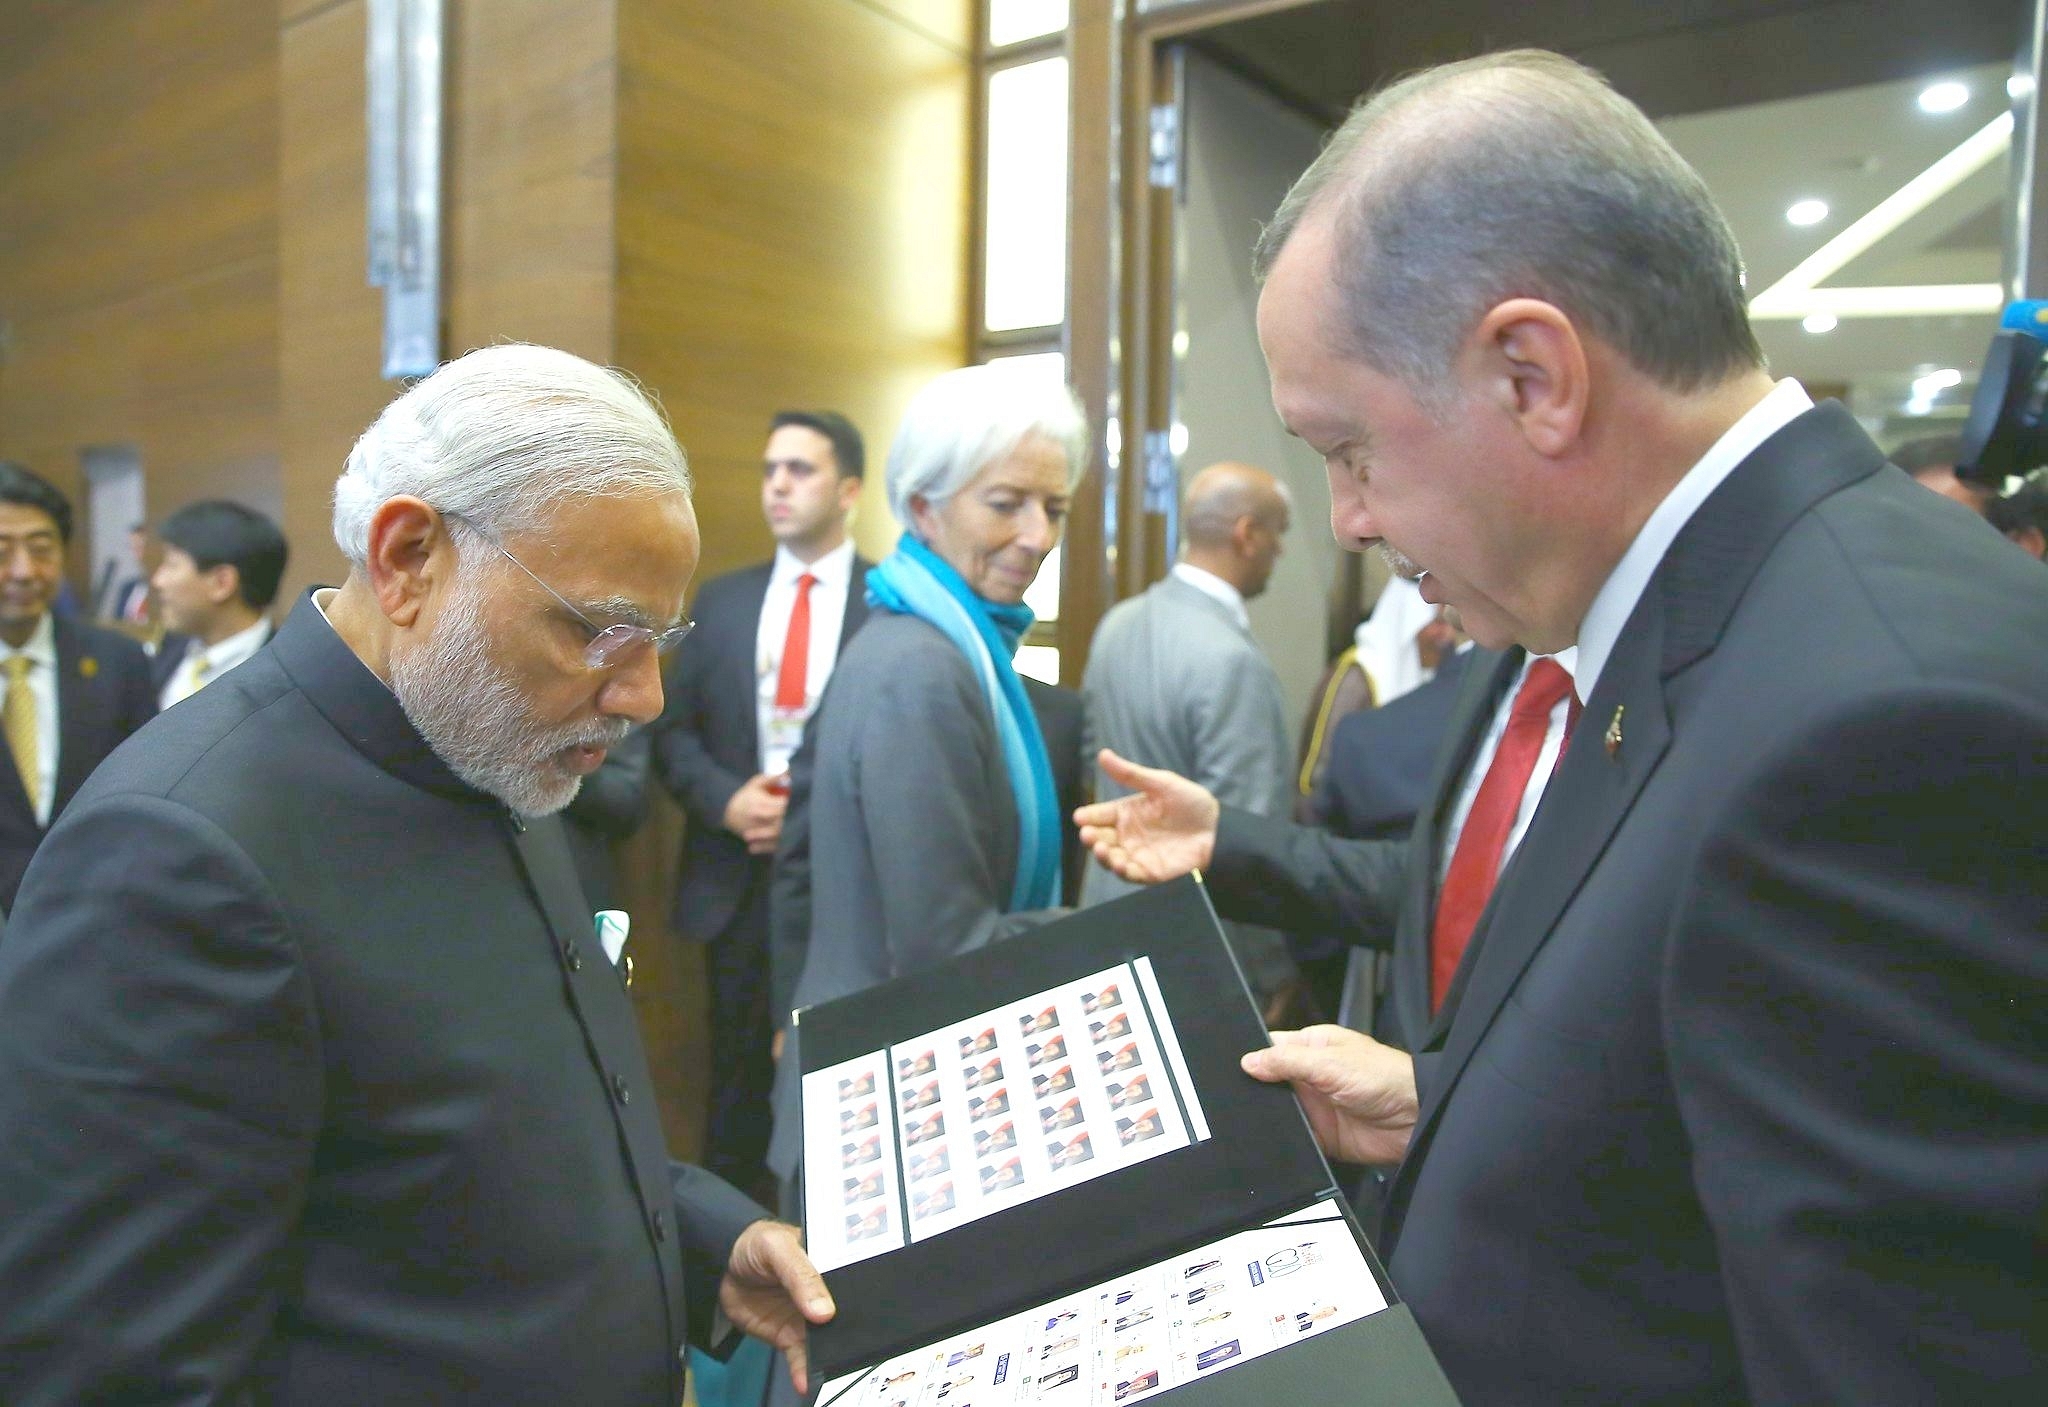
{"points": [[1386, 641]]}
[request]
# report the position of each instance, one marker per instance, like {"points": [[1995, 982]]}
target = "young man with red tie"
{"points": [[739, 692]]}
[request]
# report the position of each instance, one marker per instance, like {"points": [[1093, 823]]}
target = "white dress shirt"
{"points": [[1539, 777], [41, 650], [1217, 590], [778, 733], [205, 663]]}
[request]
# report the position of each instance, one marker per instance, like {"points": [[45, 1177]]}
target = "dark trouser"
{"points": [[742, 1072]]}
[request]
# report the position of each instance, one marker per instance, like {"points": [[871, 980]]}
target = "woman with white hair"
{"points": [[932, 824]]}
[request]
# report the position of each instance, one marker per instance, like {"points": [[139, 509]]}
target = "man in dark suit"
{"points": [[318, 1086], [1729, 1097], [1375, 782], [221, 564], [72, 690], [739, 694]]}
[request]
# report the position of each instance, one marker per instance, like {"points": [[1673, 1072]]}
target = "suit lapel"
{"points": [[1478, 697], [1684, 608], [81, 690], [856, 601], [746, 687]]}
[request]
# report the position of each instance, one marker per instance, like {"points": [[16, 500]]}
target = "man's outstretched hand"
{"points": [[773, 1292], [1359, 1095], [1163, 829]]}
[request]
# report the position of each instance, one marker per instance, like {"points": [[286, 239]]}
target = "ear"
{"points": [[223, 583], [924, 516], [1527, 358], [410, 554], [849, 493], [1242, 533]]}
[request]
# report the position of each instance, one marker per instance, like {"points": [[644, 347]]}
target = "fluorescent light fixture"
{"points": [[1817, 323], [1807, 212], [1926, 388], [1797, 293], [1943, 97], [1917, 406], [2020, 85]]}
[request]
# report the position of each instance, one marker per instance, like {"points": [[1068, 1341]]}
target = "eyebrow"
{"points": [[625, 611]]}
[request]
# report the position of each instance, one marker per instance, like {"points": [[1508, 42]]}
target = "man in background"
{"points": [[740, 692], [1175, 678], [1931, 460], [72, 691], [218, 574]]}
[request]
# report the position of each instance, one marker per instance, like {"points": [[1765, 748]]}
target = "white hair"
{"points": [[501, 437], [966, 420]]}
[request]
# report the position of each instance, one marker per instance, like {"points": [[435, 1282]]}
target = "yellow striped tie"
{"points": [[18, 714]]}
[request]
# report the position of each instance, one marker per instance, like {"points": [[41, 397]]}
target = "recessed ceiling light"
{"points": [[1807, 212], [1818, 323], [1943, 97]]}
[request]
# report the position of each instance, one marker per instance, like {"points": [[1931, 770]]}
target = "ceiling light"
{"points": [[1925, 388], [1796, 294], [1807, 212], [2020, 85], [1943, 97], [1818, 323]]}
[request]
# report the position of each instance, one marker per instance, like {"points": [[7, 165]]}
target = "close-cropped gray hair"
{"points": [[501, 437], [966, 420], [1520, 174]]}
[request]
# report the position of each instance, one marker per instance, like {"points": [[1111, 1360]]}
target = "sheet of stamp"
{"points": [[1131, 1338], [852, 1206]]}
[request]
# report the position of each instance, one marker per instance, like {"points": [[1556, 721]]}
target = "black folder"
{"points": [[1259, 1163]]}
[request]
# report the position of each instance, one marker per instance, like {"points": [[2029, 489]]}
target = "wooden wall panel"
{"points": [[793, 204], [531, 125], [793, 198], [138, 176], [331, 324]]}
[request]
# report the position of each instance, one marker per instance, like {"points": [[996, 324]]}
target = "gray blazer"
{"points": [[1174, 681], [912, 828]]}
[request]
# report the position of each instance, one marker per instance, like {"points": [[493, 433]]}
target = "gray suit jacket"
{"points": [[911, 823], [1174, 681]]}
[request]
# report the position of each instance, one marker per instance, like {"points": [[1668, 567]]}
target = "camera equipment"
{"points": [[2007, 432]]}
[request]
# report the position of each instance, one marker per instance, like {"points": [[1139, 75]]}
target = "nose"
{"points": [[1039, 532], [632, 688], [1351, 523]]}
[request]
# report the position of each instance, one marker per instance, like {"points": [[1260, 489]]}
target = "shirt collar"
{"points": [[41, 646], [1617, 597], [237, 647], [835, 568], [1216, 589]]}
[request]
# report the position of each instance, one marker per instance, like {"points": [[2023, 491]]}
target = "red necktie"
{"points": [[796, 648], [1475, 864]]}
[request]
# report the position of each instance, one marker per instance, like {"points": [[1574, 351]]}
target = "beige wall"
{"points": [[792, 226], [138, 243]]}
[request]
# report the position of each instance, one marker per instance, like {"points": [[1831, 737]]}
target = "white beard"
{"points": [[477, 722]]}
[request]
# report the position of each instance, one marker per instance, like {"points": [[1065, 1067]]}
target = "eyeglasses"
{"points": [[609, 644]]}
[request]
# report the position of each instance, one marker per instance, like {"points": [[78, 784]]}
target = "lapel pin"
{"points": [[88, 666], [1613, 735]]}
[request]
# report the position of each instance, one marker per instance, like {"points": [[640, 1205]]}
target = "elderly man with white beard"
{"points": [[315, 1083]]}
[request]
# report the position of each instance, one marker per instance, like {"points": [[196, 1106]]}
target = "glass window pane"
{"points": [[1012, 21], [1040, 662], [1025, 251]]}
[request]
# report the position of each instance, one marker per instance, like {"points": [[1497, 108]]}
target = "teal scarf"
{"points": [[916, 581]]}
